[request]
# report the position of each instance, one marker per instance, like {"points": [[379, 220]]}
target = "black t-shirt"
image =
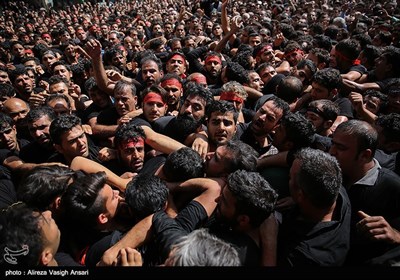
{"points": [[249, 252], [8, 194], [304, 243], [108, 116], [34, 153], [91, 112], [345, 107], [151, 165], [5, 153]]}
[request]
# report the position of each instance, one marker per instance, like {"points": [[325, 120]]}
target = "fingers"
{"points": [[362, 215]]}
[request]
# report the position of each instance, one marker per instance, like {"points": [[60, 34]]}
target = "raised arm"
{"points": [[93, 49], [161, 142], [90, 166]]}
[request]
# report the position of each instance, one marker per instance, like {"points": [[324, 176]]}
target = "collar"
{"points": [[371, 176]]}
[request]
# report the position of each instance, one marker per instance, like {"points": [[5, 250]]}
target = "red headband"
{"points": [[171, 82], [178, 57], [230, 96], [153, 97], [343, 57], [131, 143], [265, 48], [213, 58], [295, 51], [200, 79]]}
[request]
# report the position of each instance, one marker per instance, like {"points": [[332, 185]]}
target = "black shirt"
{"points": [[304, 243]]}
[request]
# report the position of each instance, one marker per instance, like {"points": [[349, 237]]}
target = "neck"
{"points": [[262, 141], [255, 235], [358, 173], [313, 214]]}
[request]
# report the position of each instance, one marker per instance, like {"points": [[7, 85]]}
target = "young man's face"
{"points": [[320, 92], [152, 110], [217, 163], [221, 128], [132, 153], [8, 137], [74, 143], [194, 106], [266, 119]]}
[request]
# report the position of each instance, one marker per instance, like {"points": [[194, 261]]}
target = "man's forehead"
{"points": [[5, 128]]}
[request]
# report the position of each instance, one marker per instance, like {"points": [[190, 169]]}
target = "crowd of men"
{"points": [[200, 133]]}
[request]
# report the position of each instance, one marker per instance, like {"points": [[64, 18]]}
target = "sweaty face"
{"points": [[194, 106], [217, 163], [74, 143], [221, 128], [213, 68], [153, 110], [112, 200], [151, 74], [39, 130], [132, 153], [8, 138], [63, 72], [255, 81], [24, 84], [176, 65], [124, 102], [226, 211], [266, 119], [50, 232]]}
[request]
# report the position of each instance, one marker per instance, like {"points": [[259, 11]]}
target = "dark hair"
{"points": [[20, 230], [61, 125], [82, 201], [91, 84], [391, 126], [349, 48], [128, 131], [243, 156], [236, 72], [321, 54], [5, 121], [289, 89], [196, 90], [330, 110], [299, 130], [329, 78], [366, 135], [121, 85], [43, 184], [145, 195], [18, 71], [183, 164], [7, 90], [253, 195], [321, 188], [223, 107], [38, 112], [56, 79]]}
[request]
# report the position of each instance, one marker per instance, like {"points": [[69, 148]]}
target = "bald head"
{"points": [[16, 108]]}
